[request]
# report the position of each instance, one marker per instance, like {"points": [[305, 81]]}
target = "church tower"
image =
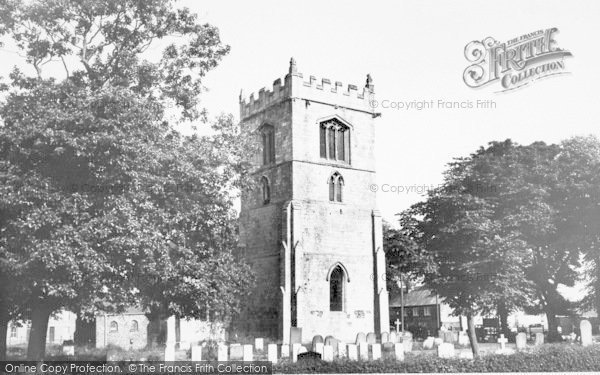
{"points": [[311, 229]]}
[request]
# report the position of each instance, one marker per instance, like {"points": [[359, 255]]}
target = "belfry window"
{"points": [[336, 182], [266, 190], [114, 327], [268, 144], [336, 289], [335, 140]]}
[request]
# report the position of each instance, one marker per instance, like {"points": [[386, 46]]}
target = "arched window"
{"points": [[336, 181], [268, 144], [335, 140], [114, 327], [336, 289], [134, 326], [266, 190], [13, 332]]}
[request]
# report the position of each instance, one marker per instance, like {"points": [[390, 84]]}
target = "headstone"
{"points": [[318, 339], [539, 338], [466, 355], [437, 341], [385, 337], [318, 348], [376, 351], [399, 351], [393, 337], [445, 350], [371, 338], [272, 353], [521, 340], [222, 353], [397, 323], [308, 356], [296, 335], [407, 342], [196, 353], [352, 352], [363, 350], [428, 343], [448, 336], [259, 343], [502, 341], [170, 352], [236, 352], [586, 332], [328, 353], [248, 353], [334, 343], [295, 349], [68, 350], [341, 350], [360, 337], [285, 351], [463, 338]]}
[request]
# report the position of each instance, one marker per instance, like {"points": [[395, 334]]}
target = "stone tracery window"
{"points": [[335, 140], [336, 182], [336, 289]]}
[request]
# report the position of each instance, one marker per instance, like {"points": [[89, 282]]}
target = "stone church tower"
{"points": [[310, 229]]}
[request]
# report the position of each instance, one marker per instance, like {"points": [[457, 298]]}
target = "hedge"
{"points": [[551, 357]]}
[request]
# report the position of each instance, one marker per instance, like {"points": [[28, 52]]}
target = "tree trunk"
{"points": [[472, 335], [3, 333], [503, 315], [36, 349]]}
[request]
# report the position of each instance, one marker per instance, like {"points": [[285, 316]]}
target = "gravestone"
{"points": [[318, 348], [248, 353], [371, 338], [376, 351], [437, 341], [222, 353], [328, 353], [363, 350], [236, 352], [539, 338], [466, 355], [393, 337], [68, 350], [196, 353], [295, 335], [341, 350], [318, 339], [352, 352], [285, 351], [586, 332], [259, 343], [521, 340], [407, 342], [502, 341], [334, 343], [399, 351], [428, 343], [360, 337], [295, 349], [463, 338], [445, 350], [170, 352], [385, 337], [272, 353]]}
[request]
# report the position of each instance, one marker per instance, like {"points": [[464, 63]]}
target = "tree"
{"points": [[103, 202]]}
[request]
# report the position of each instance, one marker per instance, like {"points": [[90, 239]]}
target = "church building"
{"points": [[310, 228]]}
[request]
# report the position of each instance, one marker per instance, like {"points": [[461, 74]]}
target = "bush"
{"points": [[546, 358]]}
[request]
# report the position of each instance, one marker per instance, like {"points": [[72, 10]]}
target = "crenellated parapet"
{"points": [[324, 91]]}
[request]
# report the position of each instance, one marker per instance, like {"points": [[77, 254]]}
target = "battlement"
{"points": [[294, 86]]}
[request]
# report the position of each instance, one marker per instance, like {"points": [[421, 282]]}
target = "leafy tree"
{"points": [[103, 203]]}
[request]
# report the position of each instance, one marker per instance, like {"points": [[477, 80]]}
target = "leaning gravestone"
{"points": [[428, 343], [360, 337], [385, 337], [539, 338], [371, 338], [586, 332], [295, 335], [521, 340]]}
